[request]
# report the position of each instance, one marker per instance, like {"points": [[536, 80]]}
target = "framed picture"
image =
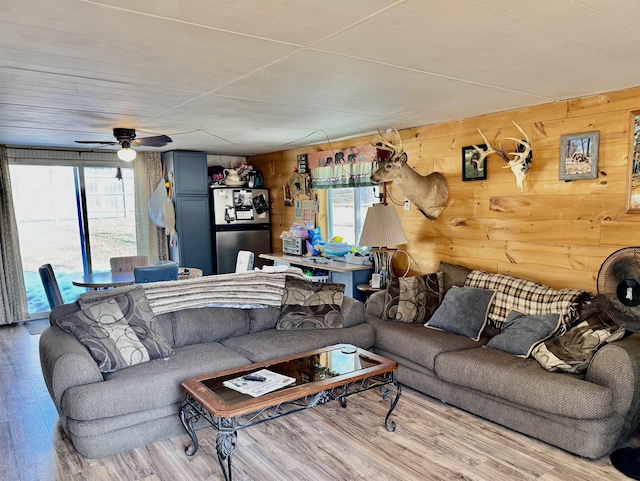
{"points": [[471, 168], [633, 199], [579, 156]]}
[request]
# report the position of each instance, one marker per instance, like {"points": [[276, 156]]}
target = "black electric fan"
{"points": [[619, 292]]}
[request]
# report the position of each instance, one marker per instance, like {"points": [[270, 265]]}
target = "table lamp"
{"points": [[382, 228]]}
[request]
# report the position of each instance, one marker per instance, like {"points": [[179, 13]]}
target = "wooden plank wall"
{"points": [[554, 232]]}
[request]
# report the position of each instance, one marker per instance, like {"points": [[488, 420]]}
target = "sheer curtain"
{"points": [[14, 296], [151, 240]]}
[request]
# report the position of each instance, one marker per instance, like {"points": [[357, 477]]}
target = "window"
{"points": [[347, 209], [74, 217]]}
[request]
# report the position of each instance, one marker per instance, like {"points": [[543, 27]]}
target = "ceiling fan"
{"points": [[126, 138]]}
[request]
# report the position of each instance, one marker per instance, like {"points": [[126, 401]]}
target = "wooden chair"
{"points": [[127, 263]]}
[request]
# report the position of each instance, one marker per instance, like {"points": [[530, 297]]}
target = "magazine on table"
{"points": [[259, 382]]}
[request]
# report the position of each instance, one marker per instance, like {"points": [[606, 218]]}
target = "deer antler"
{"points": [[484, 153], [519, 163], [520, 157], [384, 144]]}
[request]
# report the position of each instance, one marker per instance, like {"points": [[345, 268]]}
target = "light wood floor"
{"points": [[433, 441]]}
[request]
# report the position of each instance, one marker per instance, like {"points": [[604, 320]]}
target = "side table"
{"points": [[367, 290]]}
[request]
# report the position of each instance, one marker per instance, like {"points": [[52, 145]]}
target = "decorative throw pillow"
{"points": [[118, 332], [454, 275], [415, 298], [572, 352], [526, 296], [522, 332], [310, 305], [463, 311]]}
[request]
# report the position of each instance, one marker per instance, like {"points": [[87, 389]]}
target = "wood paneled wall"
{"points": [[554, 232]]}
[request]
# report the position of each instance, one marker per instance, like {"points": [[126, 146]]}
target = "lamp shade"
{"points": [[382, 227], [126, 155]]}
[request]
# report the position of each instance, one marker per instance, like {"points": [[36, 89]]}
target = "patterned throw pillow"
{"points": [[415, 298], [310, 305], [118, 332], [572, 352], [528, 297]]}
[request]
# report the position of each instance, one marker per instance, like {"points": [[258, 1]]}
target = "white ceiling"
{"points": [[239, 77]]}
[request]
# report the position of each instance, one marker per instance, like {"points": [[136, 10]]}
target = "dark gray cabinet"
{"points": [[188, 172]]}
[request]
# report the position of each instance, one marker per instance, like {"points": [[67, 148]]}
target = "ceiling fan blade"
{"points": [[156, 141], [95, 142]]}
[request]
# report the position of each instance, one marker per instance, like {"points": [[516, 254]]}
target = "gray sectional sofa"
{"points": [[105, 413], [586, 414]]}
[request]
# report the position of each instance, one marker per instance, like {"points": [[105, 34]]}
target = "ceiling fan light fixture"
{"points": [[126, 153]]}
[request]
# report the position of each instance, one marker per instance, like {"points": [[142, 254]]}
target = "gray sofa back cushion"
{"points": [[263, 318], [165, 327], [208, 324]]}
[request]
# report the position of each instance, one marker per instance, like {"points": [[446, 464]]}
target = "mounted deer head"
{"points": [[428, 193], [519, 164]]}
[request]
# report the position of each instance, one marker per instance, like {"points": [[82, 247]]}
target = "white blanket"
{"points": [[245, 289]]}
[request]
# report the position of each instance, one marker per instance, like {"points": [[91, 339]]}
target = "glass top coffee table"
{"points": [[320, 376]]}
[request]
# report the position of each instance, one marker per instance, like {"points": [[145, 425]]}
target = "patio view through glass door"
{"points": [[74, 218]]}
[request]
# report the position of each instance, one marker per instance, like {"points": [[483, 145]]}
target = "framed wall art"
{"points": [[579, 156], [633, 198], [471, 168]]}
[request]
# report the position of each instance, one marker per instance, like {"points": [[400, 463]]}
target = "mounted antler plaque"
{"points": [[517, 161]]}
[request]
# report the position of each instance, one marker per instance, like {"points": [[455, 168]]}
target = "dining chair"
{"points": [[127, 263], [50, 284], [244, 261], [155, 273]]}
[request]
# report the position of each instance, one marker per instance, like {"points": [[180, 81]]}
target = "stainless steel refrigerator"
{"points": [[240, 221]]}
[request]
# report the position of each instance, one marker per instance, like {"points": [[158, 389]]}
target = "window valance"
{"points": [[348, 167]]}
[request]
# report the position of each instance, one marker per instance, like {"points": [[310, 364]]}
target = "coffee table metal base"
{"points": [[191, 411]]}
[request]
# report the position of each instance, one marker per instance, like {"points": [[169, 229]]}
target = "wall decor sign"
{"points": [[633, 199], [302, 164], [472, 167], [579, 156]]}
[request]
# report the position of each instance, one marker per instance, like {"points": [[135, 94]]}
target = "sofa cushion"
{"points": [[414, 298], [527, 297], [310, 305], [208, 324], [412, 341], [573, 351], [263, 318], [118, 332], [266, 345], [453, 275], [522, 332], [147, 386], [463, 311], [524, 382]]}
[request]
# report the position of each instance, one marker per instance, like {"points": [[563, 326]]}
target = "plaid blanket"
{"points": [[527, 297]]}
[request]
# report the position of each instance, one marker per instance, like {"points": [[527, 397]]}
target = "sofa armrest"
{"points": [[617, 366], [352, 311], [65, 363], [375, 304]]}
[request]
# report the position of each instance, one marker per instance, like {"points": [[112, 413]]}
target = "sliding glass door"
{"points": [[74, 218], [110, 215]]}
